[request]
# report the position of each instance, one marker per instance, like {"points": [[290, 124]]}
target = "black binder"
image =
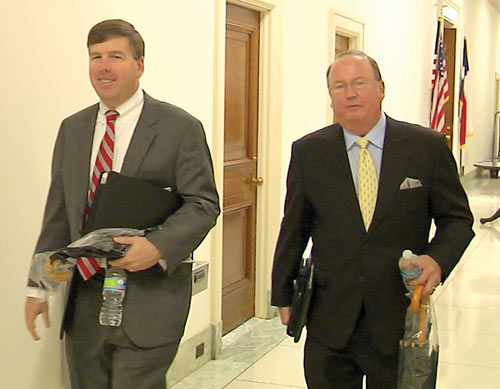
{"points": [[301, 299], [123, 201]]}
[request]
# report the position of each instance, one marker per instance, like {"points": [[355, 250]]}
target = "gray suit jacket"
{"points": [[168, 149], [354, 267]]}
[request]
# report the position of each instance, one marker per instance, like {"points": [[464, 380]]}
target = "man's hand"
{"points": [[431, 274], [142, 254], [285, 313], [34, 306]]}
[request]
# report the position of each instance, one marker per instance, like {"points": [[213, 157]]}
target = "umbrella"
{"points": [[95, 244], [419, 348]]}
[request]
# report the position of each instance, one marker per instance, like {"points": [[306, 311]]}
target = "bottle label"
{"points": [[114, 283], [412, 274]]}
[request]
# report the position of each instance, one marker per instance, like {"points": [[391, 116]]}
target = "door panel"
{"points": [[236, 140], [237, 273]]}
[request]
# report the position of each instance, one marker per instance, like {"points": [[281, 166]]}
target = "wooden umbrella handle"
{"points": [[422, 322], [416, 297], [420, 304]]}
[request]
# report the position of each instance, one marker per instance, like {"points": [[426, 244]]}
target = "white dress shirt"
{"points": [[125, 125]]}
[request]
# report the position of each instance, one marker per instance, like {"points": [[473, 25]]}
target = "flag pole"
{"points": [[462, 103], [462, 167]]}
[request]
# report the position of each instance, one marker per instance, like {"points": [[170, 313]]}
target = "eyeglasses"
{"points": [[358, 84]]}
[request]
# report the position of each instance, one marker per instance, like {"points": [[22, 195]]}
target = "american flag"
{"points": [[439, 83], [463, 101]]}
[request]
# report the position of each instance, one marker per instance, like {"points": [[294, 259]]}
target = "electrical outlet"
{"points": [[200, 350]]}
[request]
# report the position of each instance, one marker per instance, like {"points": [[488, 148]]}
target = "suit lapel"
{"points": [[144, 135], [394, 161], [77, 161], [337, 162]]}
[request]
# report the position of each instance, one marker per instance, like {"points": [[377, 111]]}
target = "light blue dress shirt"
{"points": [[376, 137]]}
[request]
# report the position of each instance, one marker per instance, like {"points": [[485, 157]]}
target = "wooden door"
{"points": [[341, 43], [450, 41], [240, 166]]}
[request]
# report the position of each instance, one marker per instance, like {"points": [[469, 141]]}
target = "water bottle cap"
{"points": [[407, 254]]}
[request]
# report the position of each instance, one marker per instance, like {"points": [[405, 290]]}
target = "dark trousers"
{"points": [[102, 357], [344, 369]]}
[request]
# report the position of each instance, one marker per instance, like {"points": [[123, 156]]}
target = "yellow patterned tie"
{"points": [[367, 182]]}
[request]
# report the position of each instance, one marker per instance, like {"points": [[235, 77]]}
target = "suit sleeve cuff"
{"points": [[38, 293]]}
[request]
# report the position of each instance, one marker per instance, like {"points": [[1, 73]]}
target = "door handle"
{"points": [[258, 181]]}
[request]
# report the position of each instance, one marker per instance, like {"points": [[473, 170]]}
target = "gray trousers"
{"points": [[101, 357]]}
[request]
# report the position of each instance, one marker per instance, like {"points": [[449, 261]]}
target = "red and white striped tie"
{"points": [[103, 163]]}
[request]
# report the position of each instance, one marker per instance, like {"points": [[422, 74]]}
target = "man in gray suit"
{"points": [[155, 142], [357, 312]]}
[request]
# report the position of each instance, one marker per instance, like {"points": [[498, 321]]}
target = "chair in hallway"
{"points": [[495, 216]]}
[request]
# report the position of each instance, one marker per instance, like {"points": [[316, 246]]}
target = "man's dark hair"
{"points": [[356, 53], [108, 29]]}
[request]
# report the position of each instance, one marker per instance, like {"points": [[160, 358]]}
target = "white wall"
{"points": [[44, 79], [481, 25]]}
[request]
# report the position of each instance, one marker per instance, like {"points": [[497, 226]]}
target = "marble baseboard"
{"points": [[216, 340], [186, 362]]}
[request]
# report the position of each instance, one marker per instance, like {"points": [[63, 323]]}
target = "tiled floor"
{"points": [[258, 355]]}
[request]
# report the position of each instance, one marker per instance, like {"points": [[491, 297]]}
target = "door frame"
{"points": [[269, 150], [456, 23]]}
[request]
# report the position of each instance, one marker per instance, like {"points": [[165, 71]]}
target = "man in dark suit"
{"points": [[356, 317], [156, 142]]}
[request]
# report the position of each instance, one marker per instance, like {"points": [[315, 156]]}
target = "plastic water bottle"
{"points": [[113, 292], [410, 268]]}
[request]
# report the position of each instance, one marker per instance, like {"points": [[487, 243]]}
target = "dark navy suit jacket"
{"points": [[354, 266]]}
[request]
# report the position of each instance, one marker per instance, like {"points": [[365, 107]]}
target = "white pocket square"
{"points": [[410, 183]]}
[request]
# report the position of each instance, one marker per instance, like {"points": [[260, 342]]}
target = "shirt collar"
{"points": [[376, 135], [133, 102]]}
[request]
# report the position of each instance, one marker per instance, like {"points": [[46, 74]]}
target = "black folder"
{"points": [[301, 299], [127, 202]]}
